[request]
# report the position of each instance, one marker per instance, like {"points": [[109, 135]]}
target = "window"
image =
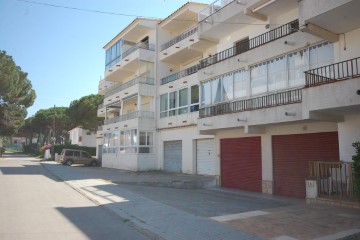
{"points": [[240, 88], [76, 153], [194, 101], [206, 93], [173, 103], [183, 101], [146, 142], [242, 45], [84, 154], [227, 84], [177, 103], [113, 54], [164, 105], [297, 64], [69, 153], [128, 143], [277, 71], [258, 79]]}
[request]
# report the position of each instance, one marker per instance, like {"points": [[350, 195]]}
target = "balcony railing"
{"points": [[252, 43], [212, 8], [129, 116], [101, 105], [119, 87], [333, 72], [273, 100], [334, 179], [181, 74], [137, 46], [179, 38]]}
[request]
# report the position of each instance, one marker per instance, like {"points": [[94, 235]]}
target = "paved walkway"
{"points": [[208, 213]]}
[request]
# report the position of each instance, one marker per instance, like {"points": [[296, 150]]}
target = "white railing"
{"points": [[129, 116], [119, 87], [212, 8], [141, 45]]}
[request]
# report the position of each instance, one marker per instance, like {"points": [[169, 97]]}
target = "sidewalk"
{"points": [[178, 213]]}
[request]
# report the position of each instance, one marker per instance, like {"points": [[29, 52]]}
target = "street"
{"points": [[36, 205], [47, 200]]}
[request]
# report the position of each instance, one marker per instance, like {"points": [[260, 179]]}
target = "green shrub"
{"points": [[356, 169]]}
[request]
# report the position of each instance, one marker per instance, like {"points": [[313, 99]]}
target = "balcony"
{"points": [[120, 87], [252, 43], [336, 17], [130, 116], [212, 8], [181, 74], [184, 47], [103, 85], [129, 62], [273, 100], [331, 73], [101, 110], [332, 91]]}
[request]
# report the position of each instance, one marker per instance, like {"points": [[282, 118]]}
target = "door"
{"points": [[205, 161], [241, 163], [173, 156], [291, 156]]}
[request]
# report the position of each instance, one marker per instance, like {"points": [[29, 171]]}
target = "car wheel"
{"points": [[69, 162], [93, 164]]}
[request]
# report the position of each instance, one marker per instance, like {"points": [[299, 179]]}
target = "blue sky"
{"points": [[61, 49]]}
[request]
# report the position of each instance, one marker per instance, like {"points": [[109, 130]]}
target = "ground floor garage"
{"points": [[291, 157], [241, 163]]}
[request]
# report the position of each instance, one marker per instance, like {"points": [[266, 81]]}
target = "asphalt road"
{"points": [[36, 205]]}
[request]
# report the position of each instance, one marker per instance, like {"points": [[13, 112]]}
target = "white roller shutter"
{"points": [[205, 160], [173, 156]]}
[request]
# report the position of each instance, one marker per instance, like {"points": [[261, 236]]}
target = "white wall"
{"points": [[187, 135], [349, 132]]}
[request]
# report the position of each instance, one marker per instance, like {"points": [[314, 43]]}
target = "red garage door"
{"points": [[291, 156], [241, 163]]}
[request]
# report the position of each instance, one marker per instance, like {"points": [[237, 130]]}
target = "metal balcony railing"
{"points": [[181, 74], [252, 43], [139, 45], [334, 179], [179, 38], [333, 72], [129, 116], [272, 100], [212, 8], [119, 87]]}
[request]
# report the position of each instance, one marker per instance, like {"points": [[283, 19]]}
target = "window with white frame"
{"points": [[179, 102], [286, 71], [128, 141], [111, 142], [146, 142], [194, 98]]}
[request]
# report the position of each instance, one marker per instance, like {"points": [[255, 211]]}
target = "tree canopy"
{"points": [[16, 95], [83, 112]]}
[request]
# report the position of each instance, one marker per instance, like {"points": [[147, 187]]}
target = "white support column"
{"points": [[139, 102]]}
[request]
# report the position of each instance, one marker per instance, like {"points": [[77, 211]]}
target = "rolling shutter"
{"points": [[205, 164], [241, 163], [291, 156], [173, 156]]}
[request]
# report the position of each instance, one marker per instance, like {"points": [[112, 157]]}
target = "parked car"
{"points": [[72, 156]]}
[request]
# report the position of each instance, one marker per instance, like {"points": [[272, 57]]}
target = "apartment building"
{"points": [[82, 137], [249, 91], [127, 138]]}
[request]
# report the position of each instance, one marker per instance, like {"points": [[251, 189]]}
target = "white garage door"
{"points": [[205, 161], [172, 156]]}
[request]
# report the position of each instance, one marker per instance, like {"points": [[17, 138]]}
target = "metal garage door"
{"points": [[241, 163], [291, 156], [205, 162], [172, 156]]}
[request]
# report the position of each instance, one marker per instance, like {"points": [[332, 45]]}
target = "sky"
{"points": [[61, 49]]}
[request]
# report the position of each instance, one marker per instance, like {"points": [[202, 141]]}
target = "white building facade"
{"points": [[249, 91], [82, 137]]}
